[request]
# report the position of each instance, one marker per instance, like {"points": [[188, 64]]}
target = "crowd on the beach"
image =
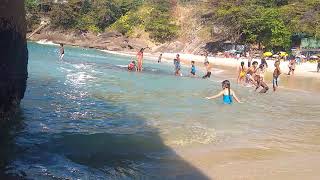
{"points": [[250, 75]]}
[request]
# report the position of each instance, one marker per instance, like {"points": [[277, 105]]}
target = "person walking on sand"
{"points": [[206, 58], [193, 69], [318, 68], [227, 93], [160, 58], [292, 66], [208, 68], [249, 59], [61, 51], [241, 73], [276, 75], [140, 59]]}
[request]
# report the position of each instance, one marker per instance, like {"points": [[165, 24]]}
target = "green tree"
{"points": [[265, 27], [65, 15]]}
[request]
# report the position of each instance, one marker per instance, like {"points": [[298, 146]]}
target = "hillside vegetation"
{"points": [[271, 24]]}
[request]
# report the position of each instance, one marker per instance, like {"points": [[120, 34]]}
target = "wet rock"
{"points": [[14, 56]]}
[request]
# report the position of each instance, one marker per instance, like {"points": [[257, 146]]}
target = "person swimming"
{"points": [[227, 93], [241, 73]]}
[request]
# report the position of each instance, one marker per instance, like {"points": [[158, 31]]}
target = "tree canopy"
{"points": [[271, 23]]}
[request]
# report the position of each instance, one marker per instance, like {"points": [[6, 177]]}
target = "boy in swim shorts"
{"points": [[276, 74]]}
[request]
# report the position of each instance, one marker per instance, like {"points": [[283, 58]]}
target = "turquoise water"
{"points": [[86, 117]]}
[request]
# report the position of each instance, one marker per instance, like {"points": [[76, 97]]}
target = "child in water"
{"points": [[241, 73], [208, 68], [193, 69], [292, 66], [276, 74], [227, 93], [132, 66], [177, 65]]}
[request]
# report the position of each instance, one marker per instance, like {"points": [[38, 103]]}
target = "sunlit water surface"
{"points": [[86, 117]]}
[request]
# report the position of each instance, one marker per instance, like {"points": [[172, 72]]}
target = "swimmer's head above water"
{"points": [[226, 84]]}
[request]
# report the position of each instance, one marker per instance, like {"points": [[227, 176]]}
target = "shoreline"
{"points": [[303, 73]]}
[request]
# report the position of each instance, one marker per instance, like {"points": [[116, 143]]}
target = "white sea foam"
{"points": [[122, 66], [46, 42]]}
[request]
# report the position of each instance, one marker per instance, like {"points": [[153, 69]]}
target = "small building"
{"points": [[310, 47]]}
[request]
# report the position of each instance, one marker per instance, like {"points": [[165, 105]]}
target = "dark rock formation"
{"points": [[13, 56]]}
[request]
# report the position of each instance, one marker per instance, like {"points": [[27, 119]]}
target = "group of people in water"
{"points": [[252, 74]]}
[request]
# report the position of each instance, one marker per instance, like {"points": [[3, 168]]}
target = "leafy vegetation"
{"points": [[32, 16], [270, 23], [125, 16], [154, 17]]}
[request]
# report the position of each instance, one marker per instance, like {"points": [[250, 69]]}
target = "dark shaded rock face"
{"points": [[13, 56]]}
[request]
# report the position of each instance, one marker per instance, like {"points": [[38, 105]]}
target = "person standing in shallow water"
{"points": [[227, 93], [160, 58], [318, 68], [193, 69], [292, 66], [276, 74], [140, 59], [177, 65], [61, 51], [241, 73], [208, 68], [259, 78]]}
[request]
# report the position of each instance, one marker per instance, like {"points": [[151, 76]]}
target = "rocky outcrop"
{"points": [[112, 41], [13, 56]]}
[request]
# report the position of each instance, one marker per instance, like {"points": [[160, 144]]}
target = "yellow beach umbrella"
{"points": [[283, 54], [267, 54]]}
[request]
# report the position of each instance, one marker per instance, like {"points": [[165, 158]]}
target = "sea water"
{"points": [[87, 117]]}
